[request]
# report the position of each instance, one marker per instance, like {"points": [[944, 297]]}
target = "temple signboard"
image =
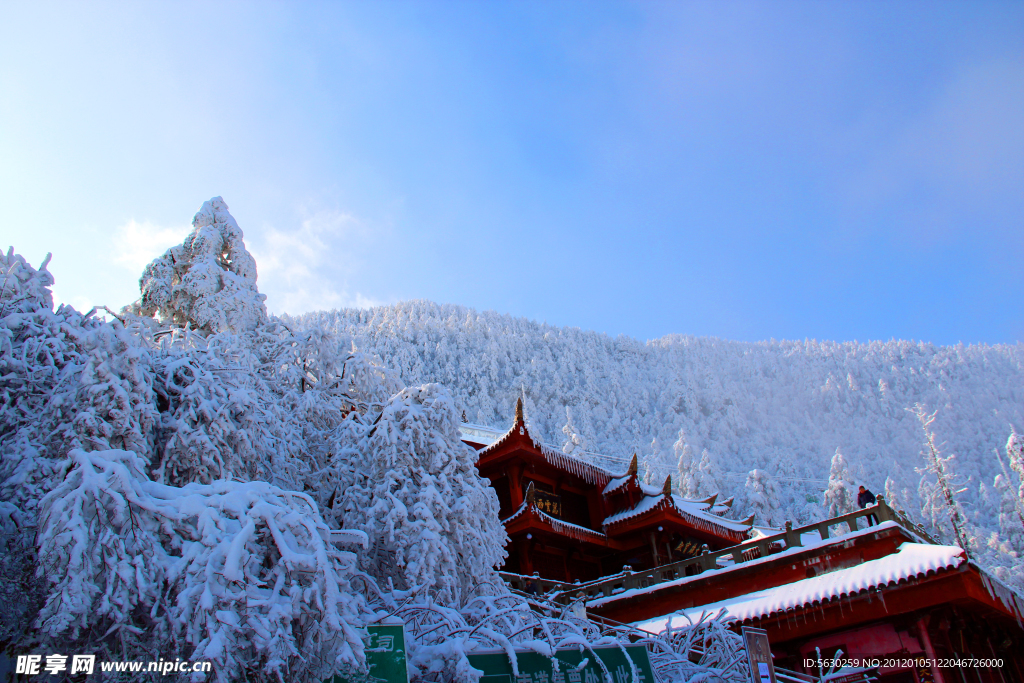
{"points": [[548, 502]]}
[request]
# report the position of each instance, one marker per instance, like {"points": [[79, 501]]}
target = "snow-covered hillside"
{"points": [[781, 407]]}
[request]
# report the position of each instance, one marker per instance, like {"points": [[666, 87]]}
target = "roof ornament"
{"points": [[519, 411], [666, 490], [749, 521], [727, 502], [632, 467], [710, 501], [531, 494]]}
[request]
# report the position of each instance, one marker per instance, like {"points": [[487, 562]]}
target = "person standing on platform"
{"points": [[864, 499]]}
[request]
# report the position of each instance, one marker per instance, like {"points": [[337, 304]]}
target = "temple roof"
{"points": [[481, 434], [637, 499], [590, 473], [911, 561]]}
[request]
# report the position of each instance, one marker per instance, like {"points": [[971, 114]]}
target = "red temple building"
{"points": [[641, 555], [569, 520]]}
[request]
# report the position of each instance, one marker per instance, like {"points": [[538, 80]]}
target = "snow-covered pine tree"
{"points": [[209, 281], [650, 463], [1011, 523], [686, 467], [367, 385], [575, 444], [68, 381], [761, 498], [650, 475], [896, 496], [709, 476], [1011, 494], [432, 520], [839, 497], [1015, 454], [937, 485]]}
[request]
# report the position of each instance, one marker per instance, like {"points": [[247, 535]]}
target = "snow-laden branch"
{"points": [[239, 573]]}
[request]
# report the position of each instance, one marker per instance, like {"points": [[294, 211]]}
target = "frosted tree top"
{"points": [[207, 282]]}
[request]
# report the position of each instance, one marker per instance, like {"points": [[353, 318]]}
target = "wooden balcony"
{"points": [[728, 557]]}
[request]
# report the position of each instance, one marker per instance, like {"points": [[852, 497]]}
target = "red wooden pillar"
{"points": [[525, 561], [929, 649], [515, 489]]}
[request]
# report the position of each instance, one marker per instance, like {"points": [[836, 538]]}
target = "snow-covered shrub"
{"points": [[705, 650], [442, 637], [99, 547], [219, 418], [432, 519], [36, 350], [209, 281], [106, 400], [241, 574]]}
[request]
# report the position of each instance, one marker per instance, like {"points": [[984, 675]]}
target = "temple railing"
{"points": [[733, 555]]}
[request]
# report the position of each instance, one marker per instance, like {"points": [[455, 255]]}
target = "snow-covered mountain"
{"points": [[782, 407]]}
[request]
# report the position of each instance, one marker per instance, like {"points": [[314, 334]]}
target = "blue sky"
{"points": [[749, 171]]}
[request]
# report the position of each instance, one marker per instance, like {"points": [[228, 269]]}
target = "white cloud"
{"points": [[308, 268], [136, 244], [80, 303]]}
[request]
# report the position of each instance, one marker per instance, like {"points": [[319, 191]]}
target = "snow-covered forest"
{"points": [[759, 421], [190, 477]]}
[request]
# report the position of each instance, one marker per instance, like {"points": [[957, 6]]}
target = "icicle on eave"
{"points": [[998, 591]]}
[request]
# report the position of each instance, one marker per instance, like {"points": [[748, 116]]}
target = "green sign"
{"points": [[536, 668], [385, 656]]}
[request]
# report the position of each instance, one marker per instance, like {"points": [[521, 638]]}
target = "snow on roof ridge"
{"points": [[689, 510], [482, 427], [911, 560], [615, 484], [648, 503], [515, 514], [650, 490], [479, 433], [589, 472], [499, 440], [568, 528], [699, 508]]}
